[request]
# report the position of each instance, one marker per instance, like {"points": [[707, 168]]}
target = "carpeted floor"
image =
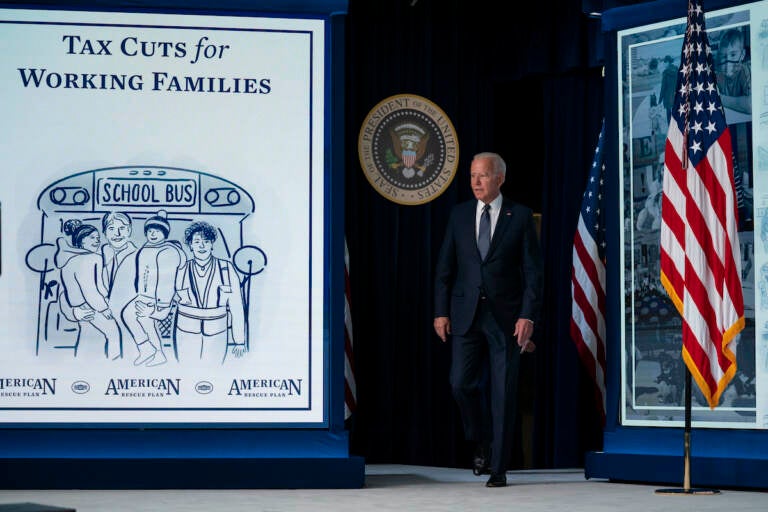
{"points": [[403, 489]]}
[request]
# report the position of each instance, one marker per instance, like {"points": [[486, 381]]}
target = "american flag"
{"points": [[700, 256], [588, 278], [350, 389]]}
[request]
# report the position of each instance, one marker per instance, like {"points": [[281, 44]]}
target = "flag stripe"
{"points": [[587, 357], [587, 326], [589, 272], [673, 226], [589, 298], [591, 344]]}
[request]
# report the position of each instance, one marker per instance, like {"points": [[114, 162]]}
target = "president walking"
{"points": [[488, 298]]}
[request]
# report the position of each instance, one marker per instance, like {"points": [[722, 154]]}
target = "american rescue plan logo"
{"points": [[408, 149], [27, 387], [143, 388]]}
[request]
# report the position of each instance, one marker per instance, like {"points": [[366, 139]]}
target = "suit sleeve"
{"points": [[532, 272], [445, 270]]}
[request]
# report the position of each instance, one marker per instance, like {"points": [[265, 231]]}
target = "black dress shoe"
{"points": [[481, 462], [497, 480]]}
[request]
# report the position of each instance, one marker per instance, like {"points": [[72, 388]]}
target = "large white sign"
{"points": [[162, 218]]}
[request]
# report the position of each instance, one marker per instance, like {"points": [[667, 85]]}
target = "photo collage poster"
{"points": [[653, 376]]}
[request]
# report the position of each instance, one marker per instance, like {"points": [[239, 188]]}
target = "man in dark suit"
{"points": [[487, 296]]}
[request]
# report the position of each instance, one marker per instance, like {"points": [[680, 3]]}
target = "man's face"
{"points": [[201, 247], [155, 235], [485, 184], [118, 233]]}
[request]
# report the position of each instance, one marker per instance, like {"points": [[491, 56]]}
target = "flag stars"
{"points": [[711, 127], [696, 127], [696, 147]]}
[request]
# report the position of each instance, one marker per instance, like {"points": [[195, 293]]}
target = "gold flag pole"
{"points": [[687, 489]]}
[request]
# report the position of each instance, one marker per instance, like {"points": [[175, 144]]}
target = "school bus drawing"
{"points": [[145, 264]]}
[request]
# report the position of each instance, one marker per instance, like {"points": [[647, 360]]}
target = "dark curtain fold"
{"points": [[527, 86], [565, 412]]}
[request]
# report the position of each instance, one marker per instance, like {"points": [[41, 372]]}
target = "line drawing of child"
{"points": [[80, 264], [157, 262]]}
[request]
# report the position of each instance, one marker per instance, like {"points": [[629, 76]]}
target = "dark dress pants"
{"points": [[484, 373]]}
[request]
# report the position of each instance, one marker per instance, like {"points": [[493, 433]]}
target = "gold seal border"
{"points": [[444, 178]]}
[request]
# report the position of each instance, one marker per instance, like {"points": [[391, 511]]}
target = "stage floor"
{"points": [[409, 488]]}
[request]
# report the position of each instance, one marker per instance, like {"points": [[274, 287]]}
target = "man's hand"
{"points": [[523, 332], [442, 327]]}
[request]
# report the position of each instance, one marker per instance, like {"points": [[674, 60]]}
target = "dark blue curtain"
{"points": [[526, 84]]}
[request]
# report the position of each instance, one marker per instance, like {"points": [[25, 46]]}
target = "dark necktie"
{"points": [[484, 232]]}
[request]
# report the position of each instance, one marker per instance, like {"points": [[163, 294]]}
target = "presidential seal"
{"points": [[408, 149]]}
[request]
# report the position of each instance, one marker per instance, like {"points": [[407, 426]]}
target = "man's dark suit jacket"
{"points": [[510, 276]]}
